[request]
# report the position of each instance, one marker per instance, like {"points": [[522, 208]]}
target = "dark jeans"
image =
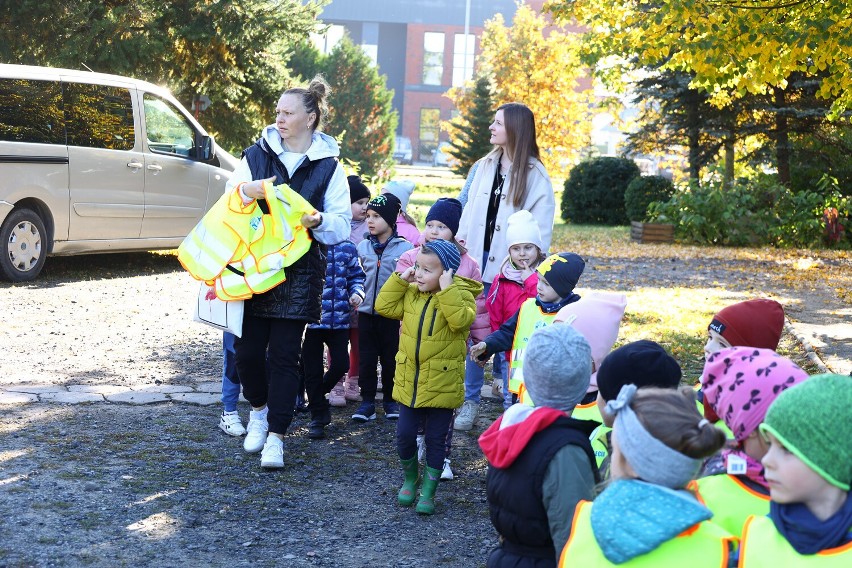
{"points": [[318, 384], [378, 340], [276, 343], [436, 423]]}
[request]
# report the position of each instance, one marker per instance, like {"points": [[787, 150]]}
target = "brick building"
{"points": [[421, 47]]}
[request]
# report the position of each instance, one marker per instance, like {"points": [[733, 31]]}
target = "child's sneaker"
{"points": [[366, 412], [391, 409], [337, 396], [256, 432], [351, 390], [421, 447], [447, 474], [231, 424], [272, 456], [467, 416]]}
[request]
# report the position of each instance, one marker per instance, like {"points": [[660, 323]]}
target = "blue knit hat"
{"points": [[447, 252], [447, 211]]}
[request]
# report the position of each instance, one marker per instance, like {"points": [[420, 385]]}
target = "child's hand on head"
{"points": [[446, 279], [355, 300], [408, 275]]}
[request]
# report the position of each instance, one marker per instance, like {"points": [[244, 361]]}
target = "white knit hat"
{"points": [[402, 189], [523, 228]]}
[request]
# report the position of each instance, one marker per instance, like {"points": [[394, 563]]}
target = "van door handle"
{"points": [[134, 165], [155, 168]]}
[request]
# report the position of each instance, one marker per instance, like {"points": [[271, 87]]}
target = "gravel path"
{"points": [[114, 484]]}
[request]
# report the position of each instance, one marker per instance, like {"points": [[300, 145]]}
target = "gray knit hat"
{"points": [[811, 419], [557, 366]]}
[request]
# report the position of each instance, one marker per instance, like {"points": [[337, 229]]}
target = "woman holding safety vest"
{"points": [[292, 151]]}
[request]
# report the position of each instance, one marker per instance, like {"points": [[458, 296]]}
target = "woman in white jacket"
{"points": [[510, 178]]}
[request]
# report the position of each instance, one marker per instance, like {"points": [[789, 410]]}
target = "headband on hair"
{"points": [[652, 460]]}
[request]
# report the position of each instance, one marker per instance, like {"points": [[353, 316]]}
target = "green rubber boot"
{"points": [[408, 492], [426, 503]]}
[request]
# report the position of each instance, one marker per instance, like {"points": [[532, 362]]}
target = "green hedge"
{"points": [[644, 190], [594, 191]]}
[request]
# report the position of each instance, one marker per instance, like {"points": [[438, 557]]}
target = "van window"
{"points": [[99, 116], [167, 129], [31, 111]]}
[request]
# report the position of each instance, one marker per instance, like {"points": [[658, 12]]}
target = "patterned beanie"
{"points": [[557, 364], [753, 323], [387, 206], [447, 211], [357, 189], [811, 419], [741, 382], [447, 252], [642, 363], [562, 271]]}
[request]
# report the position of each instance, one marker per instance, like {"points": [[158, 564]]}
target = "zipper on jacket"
{"points": [[417, 350], [376, 287], [432, 325]]}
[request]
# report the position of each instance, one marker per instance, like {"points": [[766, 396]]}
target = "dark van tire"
{"points": [[23, 246]]}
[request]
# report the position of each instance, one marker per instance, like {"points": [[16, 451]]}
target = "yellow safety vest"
{"points": [[257, 245], [702, 545], [763, 545], [599, 445], [588, 411], [731, 500], [530, 318]]}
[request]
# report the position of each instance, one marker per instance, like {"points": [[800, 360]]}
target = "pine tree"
{"points": [[469, 130]]}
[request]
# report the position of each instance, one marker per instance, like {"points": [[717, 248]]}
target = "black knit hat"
{"points": [[562, 271], [642, 363], [357, 189], [387, 205]]}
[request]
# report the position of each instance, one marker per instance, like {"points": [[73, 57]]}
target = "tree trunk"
{"points": [[782, 138], [693, 135], [729, 161]]}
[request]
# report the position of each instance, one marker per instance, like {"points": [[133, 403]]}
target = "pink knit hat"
{"points": [[741, 382], [597, 316]]}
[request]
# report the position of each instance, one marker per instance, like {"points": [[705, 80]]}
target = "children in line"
{"points": [[442, 222], [739, 385], [378, 336], [343, 291], [437, 309], [808, 467], [540, 463], [557, 277], [347, 389], [644, 517], [516, 282]]}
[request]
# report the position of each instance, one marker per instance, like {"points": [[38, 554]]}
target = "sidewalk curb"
{"points": [[810, 352]]}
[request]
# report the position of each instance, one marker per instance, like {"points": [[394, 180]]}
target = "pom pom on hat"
{"points": [[753, 323], [387, 206], [523, 228], [357, 189], [448, 211], [740, 383], [447, 252], [597, 316], [402, 189], [562, 271], [557, 365], [642, 363], [808, 419]]}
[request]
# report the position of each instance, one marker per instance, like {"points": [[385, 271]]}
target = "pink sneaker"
{"points": [[337, 396], [351, 390]]}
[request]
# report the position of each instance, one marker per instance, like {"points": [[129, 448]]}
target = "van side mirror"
{"points": [[206, 148]]}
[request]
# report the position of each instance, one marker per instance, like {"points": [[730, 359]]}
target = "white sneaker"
{"points": [[421, 447], [447, 474], [231, 424], [272, 456], [467, 416], [256, 432]]}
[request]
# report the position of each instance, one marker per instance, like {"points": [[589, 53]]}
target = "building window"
{"points": [[327, 41], [463, 67], [433, 58], [430, 129]]}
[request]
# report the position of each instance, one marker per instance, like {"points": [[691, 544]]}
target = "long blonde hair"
{"points": [[521, 145]]}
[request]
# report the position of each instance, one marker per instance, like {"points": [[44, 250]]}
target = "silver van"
{"points": [[91, 162]]}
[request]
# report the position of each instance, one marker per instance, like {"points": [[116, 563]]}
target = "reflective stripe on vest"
{"points": [[731, 501], [530, 318], [598, 438], [763, 545], [703, 545]]}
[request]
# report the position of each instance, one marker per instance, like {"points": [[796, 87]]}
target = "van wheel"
{"points": [[23, 244]]}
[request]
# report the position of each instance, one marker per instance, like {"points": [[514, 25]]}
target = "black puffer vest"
{"points": [[515, 495], [300, 296]]}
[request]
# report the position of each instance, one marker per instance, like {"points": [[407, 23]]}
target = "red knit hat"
{"points": [[753, 323]]}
